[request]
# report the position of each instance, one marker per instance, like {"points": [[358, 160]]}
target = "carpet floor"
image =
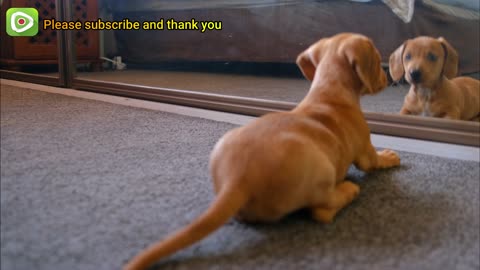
{"points": [[87, 184]]}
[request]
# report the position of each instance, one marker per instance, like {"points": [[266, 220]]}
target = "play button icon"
{"points": [[22, 21]]}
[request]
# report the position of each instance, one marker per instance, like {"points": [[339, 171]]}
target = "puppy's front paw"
{"points": [[324, 215], [349, 190], [388, 158]]}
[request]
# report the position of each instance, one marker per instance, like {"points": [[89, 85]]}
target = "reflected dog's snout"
{"points": [[416, 75]]}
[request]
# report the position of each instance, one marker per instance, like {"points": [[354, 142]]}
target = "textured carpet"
{"points": [[86, 185]]}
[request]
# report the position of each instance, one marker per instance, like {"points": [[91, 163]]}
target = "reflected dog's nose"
{"points": [[416, 75]]}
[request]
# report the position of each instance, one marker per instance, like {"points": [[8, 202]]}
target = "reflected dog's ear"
{"points": [[395, 63], [306, 64], [450, 60]]}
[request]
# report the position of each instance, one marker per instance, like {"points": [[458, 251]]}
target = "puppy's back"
{"points": [[471, 94]]}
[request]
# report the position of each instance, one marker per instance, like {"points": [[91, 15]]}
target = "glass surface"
{"points": [[26, 46], [249, 48]]}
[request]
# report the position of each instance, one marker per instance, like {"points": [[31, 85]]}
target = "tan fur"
{"points": [[438, 93], [287, 161]]}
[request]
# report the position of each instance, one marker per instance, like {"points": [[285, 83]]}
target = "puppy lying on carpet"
{"points": [[430, 66], [287, 161]]}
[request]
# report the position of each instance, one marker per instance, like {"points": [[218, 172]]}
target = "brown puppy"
{"points": [[430, 65], [286, 161]]}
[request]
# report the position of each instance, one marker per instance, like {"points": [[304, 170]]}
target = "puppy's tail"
{"points": [[227, 203]]}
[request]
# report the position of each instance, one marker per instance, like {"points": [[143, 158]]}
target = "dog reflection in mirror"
{"points": [[430, 66]]}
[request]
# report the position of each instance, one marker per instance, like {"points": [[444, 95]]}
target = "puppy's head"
{"points": [[357, 50], [423, 61]]}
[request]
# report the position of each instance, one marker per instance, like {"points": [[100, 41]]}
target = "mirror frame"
{"points": [[432, 129]]}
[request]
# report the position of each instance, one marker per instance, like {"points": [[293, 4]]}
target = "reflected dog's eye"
{"points": [[408, 56], [431, 57]]}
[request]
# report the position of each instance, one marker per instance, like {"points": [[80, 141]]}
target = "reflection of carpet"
{"points": [[389, 100], [283, 89], [86, 185]]}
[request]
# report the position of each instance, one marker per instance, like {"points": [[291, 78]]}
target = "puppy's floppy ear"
{"points": [[450, 61], [395, 63], [306, 64], [365, 60]]}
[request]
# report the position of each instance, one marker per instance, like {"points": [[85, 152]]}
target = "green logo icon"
{"points": [[22, 22]]}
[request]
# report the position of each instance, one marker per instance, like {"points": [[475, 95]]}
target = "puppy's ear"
{"points": [[365, 60], [395, 63], [450, 62], [306, 64]]}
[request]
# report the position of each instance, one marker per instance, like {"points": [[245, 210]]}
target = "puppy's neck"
{"points": [[428, 92], [335, 81], [423, 93]]}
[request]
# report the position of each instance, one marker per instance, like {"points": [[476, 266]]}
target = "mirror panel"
{"points": [[248, 48], [26, 47]]}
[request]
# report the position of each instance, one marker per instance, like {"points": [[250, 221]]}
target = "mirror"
{"points": [[26, 47], [248, 48]]}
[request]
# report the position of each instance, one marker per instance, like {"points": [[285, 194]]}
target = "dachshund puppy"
{"points": [[430, 66], [286, 161]]}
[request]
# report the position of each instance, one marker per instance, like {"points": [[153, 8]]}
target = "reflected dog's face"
{"points": [[423, 61]]}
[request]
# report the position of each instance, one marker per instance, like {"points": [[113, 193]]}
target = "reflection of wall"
{"points": [[469, 4], [108, 46], [277, 34]]}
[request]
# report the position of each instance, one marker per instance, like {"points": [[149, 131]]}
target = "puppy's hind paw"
{"points": [[388, 158]]}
